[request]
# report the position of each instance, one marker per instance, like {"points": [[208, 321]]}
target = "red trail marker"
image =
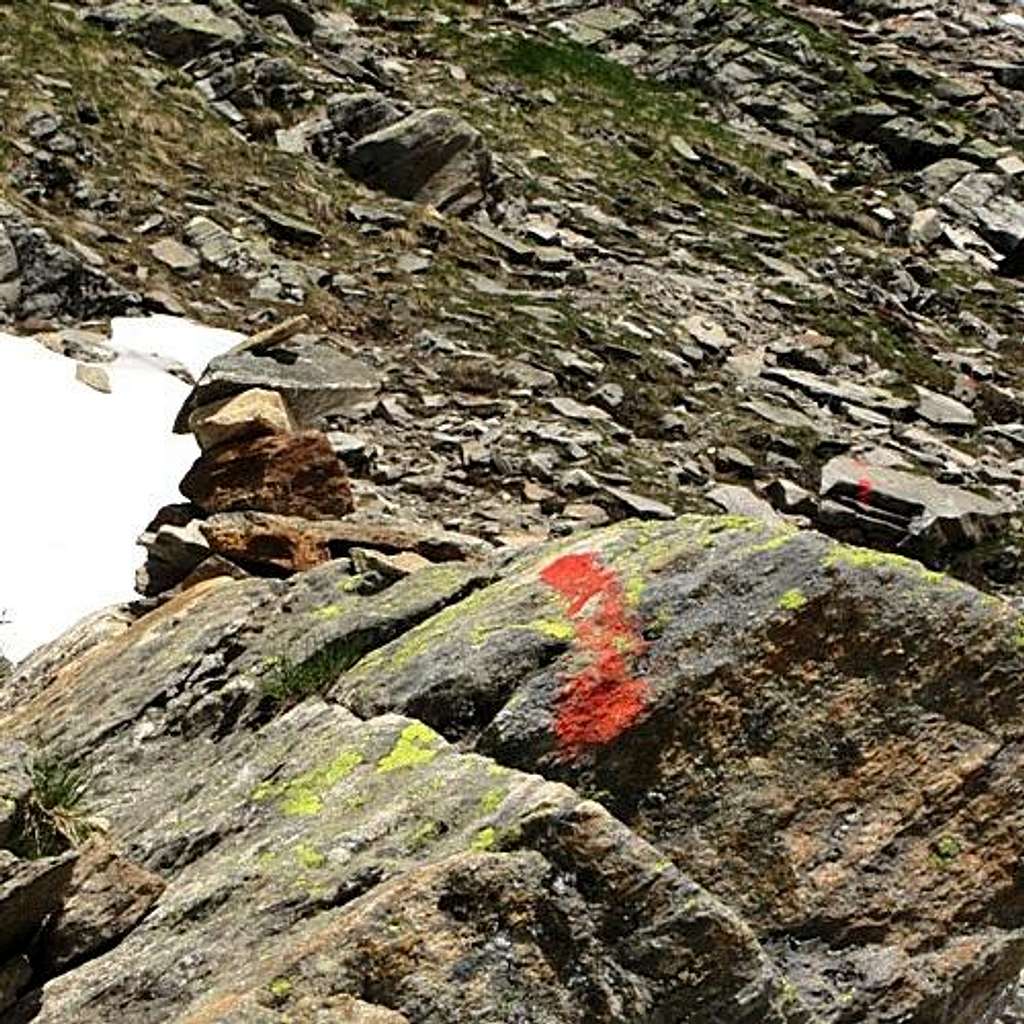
{"points": [[603, 700]]}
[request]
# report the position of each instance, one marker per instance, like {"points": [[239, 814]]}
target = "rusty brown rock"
{"points": [[288, 474], [260, 540], [294, 544], [107, 896]]}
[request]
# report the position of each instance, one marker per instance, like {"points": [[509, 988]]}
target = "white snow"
{"points": [[82, 473]]}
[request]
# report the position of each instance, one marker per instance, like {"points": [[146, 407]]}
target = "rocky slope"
{"points": [[451, 693]]}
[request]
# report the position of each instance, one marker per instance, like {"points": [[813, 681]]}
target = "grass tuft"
{"points": [[56, 814]]}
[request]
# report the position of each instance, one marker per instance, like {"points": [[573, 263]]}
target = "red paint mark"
{"points": [[865, 485], [602, 701], [864, 489]]}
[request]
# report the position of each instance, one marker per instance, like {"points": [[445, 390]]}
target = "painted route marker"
{"points": [[603, 700]]}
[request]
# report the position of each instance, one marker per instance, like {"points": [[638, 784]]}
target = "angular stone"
{"points": [[171, 253], [253, 413], [107, 896], [30, 890], [573, 410], [287, 227], [313, 377], [94, 377], [920, 507], [791, 498], [925, 227], [390, 567], [179, 32], [740, 501], [431, 156], [914, 144], [293, 544], [943, 411], [217, 246], [639, 505], [831, 391], [53, 280], [288, 474], [172, 553]]}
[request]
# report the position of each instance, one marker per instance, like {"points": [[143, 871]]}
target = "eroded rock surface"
{"points": [[780, 723]]}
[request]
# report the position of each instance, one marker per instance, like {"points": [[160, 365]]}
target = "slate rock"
{"points": [[291, 544], [933, 513], [172, 554], [741, 501], [313, 377], [179, 32], [766, 683], [430, 156], [943, 411], [53, 281]]}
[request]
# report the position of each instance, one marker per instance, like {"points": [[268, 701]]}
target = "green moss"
{"points": [[309, 856], [484, 840], [303, 795], [792, 600], [415, 746], [422, 835], [492, 800]]}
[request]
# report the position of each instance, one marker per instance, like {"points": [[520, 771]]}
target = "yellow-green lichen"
{"points": [[484, 840], [350, 584], [416, 745], [437, 579], [945, 850], [280, 988], [309, 856], [657, 626], [303, 795], [792, 600], [1020, 632], [331, 611], [779, 540], [634, 590], [492, 800], [864, 558], [557, 629]]}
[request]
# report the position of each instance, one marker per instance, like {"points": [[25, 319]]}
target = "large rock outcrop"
{"points": [[820, 737]]}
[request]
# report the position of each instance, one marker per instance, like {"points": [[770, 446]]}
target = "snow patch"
{"points": [[82, 473]]}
